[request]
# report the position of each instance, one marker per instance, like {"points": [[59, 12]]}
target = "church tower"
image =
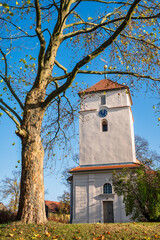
{"points": [[106, 144], [106, 125]]}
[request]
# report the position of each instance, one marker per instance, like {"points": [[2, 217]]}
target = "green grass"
{"points": [[51, 230]]}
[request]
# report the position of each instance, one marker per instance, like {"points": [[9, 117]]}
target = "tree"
{"points": [[44, 113], [145, 154], [10, 187], [66, 172], [140, 187], [64, 203]]}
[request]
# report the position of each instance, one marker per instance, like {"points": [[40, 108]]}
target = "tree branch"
{"points": [[60, 66], [11, 116], [21, 30], [78, 2], [119, 72], [10, 109], [117, 2], [102, 24], [106, 72], [8, 82], [42, 42]]}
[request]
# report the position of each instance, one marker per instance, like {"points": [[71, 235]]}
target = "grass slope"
{"points": [[51, 230]]}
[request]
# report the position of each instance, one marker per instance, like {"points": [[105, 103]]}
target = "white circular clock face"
{"points": [[102, 113]]}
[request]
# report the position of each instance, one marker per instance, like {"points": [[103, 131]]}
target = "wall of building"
{"points": [[118, 142], [88, 198]]}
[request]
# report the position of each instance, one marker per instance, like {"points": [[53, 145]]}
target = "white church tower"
{"points": [[106, 144]]}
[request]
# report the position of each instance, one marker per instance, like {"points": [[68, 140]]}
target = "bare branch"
{"points": [[61, 66], [17, 27], [54, 3], [5, 78], [78, 2], [64, 95], [120, 73], [102, 24], [11, 110], [11, 116], [117, 2], [107, 72]]}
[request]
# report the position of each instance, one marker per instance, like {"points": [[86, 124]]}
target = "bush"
{"points": [[7, 216]]}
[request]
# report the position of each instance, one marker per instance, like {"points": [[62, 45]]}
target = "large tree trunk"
{"points": [[31, 203]]}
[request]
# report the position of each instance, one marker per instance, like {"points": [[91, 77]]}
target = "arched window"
{"points": [[104, 125], [107, 188]]}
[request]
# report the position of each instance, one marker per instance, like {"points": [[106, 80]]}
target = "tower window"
{"points": [[103, 100], [104, 125], [107, 188]]}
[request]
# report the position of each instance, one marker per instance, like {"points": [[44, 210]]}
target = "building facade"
{"points": [[106, 144]]}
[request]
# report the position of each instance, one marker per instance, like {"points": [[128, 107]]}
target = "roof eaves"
{"points": [[115, 167]]}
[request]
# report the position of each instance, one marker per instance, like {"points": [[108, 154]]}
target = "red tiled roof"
{"points": [[53, 206], [103, 85], [106, 85], [108, 167]]}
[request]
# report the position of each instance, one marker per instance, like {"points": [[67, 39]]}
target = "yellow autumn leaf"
{"points": [[11, 234]]}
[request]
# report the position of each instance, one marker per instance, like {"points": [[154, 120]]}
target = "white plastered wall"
{"points": [[117, 144]]}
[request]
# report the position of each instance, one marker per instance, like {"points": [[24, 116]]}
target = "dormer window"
{"points": [[103, 100]]}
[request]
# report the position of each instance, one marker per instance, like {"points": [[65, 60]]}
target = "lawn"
{"points": [[52, 230]]}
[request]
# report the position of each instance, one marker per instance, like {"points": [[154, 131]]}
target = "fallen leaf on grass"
{"points": [[156, 236], [37, 235], [47, 234], [101, 237], [55, 237], [11, 235]]}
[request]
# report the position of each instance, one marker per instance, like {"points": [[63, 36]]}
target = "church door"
{"points": [[108, 212]]}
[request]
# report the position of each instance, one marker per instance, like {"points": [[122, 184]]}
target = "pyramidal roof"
{"points": [[104, 85]]}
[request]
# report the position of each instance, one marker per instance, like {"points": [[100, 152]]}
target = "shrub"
{"points": [[7, 216]]}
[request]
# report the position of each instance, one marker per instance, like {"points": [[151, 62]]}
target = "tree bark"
{"points": [[31, 202]]}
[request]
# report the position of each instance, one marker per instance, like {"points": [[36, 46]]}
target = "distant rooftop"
{"points": [[53, 206]]}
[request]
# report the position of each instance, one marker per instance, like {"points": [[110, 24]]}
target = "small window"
{"points": [[107, 188], [103, 100], [104, 125]]}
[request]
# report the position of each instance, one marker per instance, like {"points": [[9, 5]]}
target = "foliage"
{"points": [[140, 186], [64, 206], [145, 231], [141, 193], [10, 188], [37, 74]]}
